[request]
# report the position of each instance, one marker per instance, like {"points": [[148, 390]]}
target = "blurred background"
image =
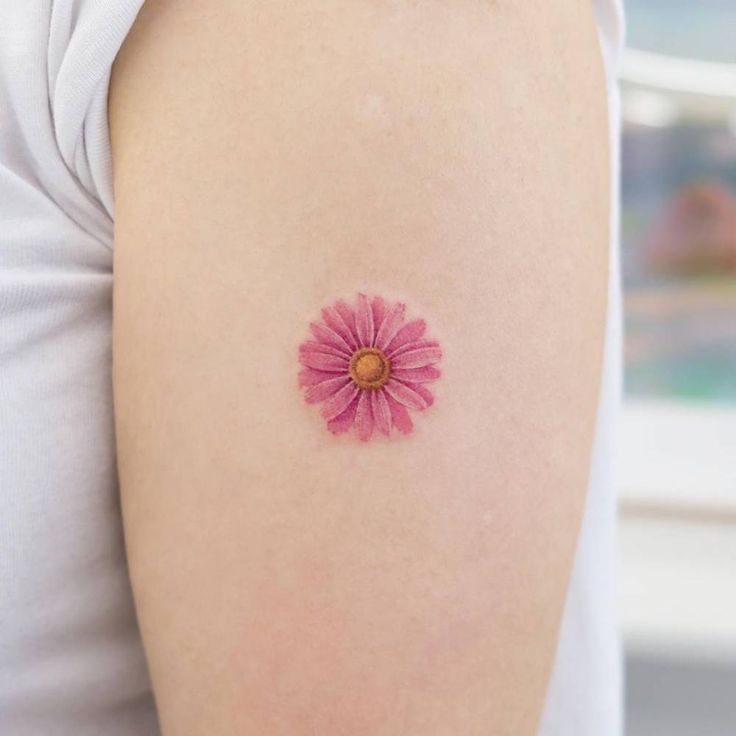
{"points": [[678, 474]]}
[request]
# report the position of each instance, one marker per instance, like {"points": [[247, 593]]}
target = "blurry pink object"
{"points": [[369, 367], [697, 231]]}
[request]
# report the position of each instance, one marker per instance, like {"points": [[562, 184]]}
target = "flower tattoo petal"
{"points": [[368, 366]]}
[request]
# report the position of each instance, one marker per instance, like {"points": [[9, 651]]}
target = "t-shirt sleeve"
{"points": [[84, 39]]}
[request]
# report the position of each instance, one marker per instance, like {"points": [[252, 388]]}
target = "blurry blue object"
{"points": [[698, 29]]}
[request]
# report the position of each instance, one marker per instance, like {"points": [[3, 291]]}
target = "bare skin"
{"points": [[269, 158]]}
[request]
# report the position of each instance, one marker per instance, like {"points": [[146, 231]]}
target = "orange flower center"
{"points": [[369, 368]]}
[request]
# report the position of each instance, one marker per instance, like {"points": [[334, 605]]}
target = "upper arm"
{"points": [[271, 158]]}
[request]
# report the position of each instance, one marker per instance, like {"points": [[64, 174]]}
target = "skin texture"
{"points": [[269, 158]]}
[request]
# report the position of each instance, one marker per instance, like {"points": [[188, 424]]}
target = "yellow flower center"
{"points": [[369, 368]]}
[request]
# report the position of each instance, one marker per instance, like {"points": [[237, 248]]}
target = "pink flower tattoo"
{"points": [[368, 366]]}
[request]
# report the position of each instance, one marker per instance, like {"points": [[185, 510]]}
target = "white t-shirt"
{"points": [[71, 661]]}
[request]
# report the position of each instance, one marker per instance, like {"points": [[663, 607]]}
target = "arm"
{"points": [[269, 159]]}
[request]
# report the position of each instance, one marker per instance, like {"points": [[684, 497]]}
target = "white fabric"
{"points": [[71, 662]]}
